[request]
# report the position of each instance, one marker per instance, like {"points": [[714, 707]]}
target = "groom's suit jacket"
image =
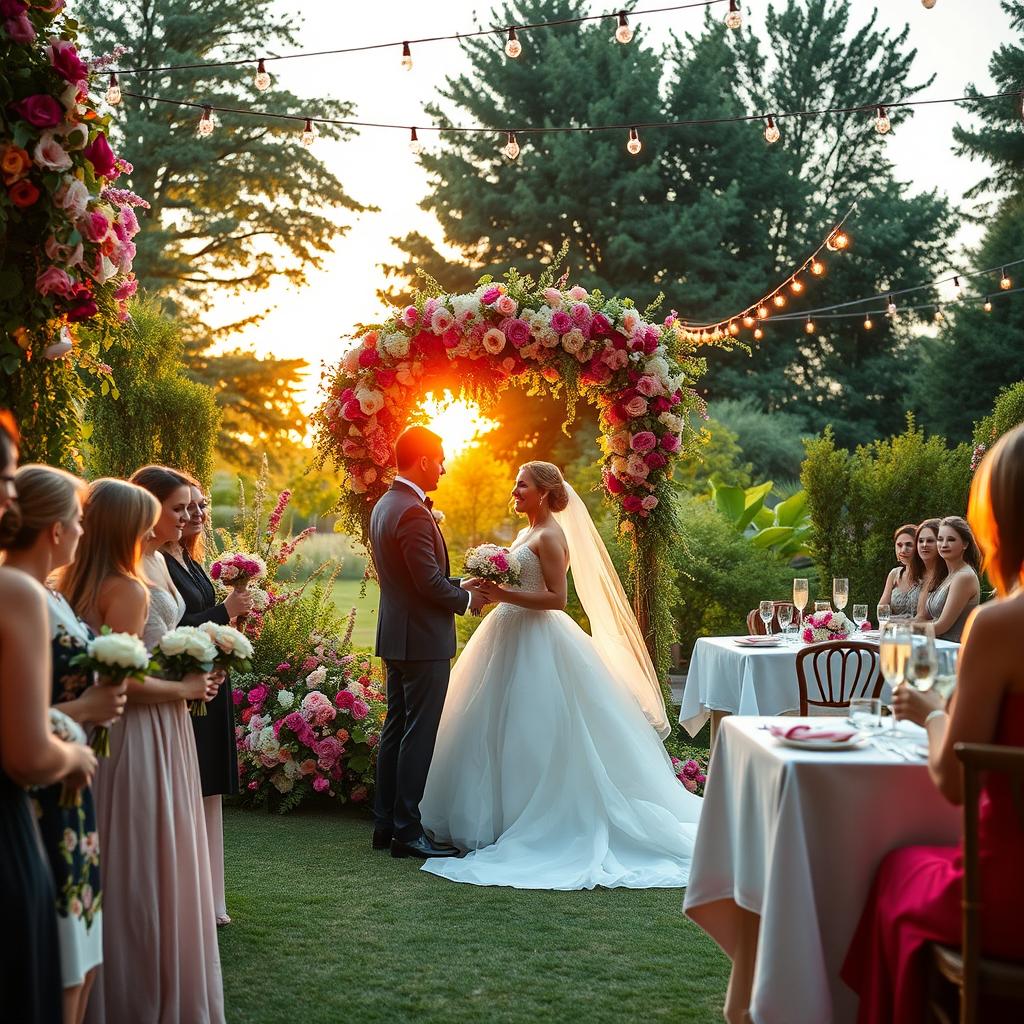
{"points": [[418, 599]]}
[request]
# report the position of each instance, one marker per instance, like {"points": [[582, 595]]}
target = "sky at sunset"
{"points": [[954, 40]]}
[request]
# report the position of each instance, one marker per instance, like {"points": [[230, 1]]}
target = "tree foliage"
{"points": [[473, 495]]}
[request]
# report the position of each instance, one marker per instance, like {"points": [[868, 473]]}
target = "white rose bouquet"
{"points": [[234, 649], [113, 658], [183, 650], [492, 562]]}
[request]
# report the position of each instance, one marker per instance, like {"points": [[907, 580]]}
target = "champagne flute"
{"points": [[785, 616], [945, 679], [884, 613], [894, 651], [840, 592], [923, 663], [800, 595], [766, 609], [860, 614]]}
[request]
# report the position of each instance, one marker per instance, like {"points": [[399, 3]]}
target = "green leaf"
{"points": [[791, 511], [731, 502], [10, 283], [773, 536]]}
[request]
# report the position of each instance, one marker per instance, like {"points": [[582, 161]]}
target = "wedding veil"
{"points": [[613, 626]]}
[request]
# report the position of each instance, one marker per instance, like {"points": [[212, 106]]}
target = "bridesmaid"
{"points": [[926, 565], [902, 587], [916, 894], [50, 514], [953, 600], [160, 958], [214, 731], [30, 755]]}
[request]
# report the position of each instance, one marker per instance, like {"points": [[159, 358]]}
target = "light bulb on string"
{"points": [[205, 127], [308, 136], [891, 307], [623, 34], [513, 47], [868, 323], [758, 334], [796, 286], [262, 79], [734, 19], [958, 288], [809, 326], [113, 91], [1004, 281], [748, 321], [882, 122], [987, 305], [762, 312], [939, 315], [817, 267], [733, 328], [634, 145], [779, 299], [838, 241], [415, 146], [511, 147], [406, 57], [771, 130]]}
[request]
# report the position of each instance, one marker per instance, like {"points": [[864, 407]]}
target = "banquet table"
{"points": [[723, 677], [795, 837]]}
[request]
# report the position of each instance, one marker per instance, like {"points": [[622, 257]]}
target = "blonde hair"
{"points": [[45, 496], [117, 517], [996, 511], [548, 478]]}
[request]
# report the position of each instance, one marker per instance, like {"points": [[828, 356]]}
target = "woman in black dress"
{"points": [[30, 755], [215, 731]]}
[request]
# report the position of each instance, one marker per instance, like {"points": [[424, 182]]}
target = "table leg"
{"points": [[716, 721], [741, 978]]}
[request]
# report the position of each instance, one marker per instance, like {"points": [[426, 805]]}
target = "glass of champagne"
{"points": [[785, 616], [766, 609], [860, 614], [945, 679], [840, 592], [894, 651], [923, 663], [884, 614], [800, 596]]}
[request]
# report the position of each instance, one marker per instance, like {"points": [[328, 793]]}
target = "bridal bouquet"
{"points": [[183, 650], [491, 562], [822, 626], [234, 649], [237, 569], [113, 657]]}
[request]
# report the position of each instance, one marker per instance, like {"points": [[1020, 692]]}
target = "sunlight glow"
{"points": [[458, 421]]}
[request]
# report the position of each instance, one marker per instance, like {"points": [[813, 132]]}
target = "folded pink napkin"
{"points": [[753, 641], [811, 732]]}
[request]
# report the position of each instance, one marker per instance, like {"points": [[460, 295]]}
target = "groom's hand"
{"points": [[470, 583], [476, 602]]}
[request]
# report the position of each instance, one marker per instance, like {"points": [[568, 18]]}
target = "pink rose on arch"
{"points": [[72, 197], [561, 322], [360, 709], [517, 332], [359, 794], [490, 295], [94, 226], [127, 289], [294, 721], [649, 386], [643, 442], [101, 156], [577, 294], [66, 62], [553, 297], [581, 315], [352, 410], [636, 407], [237, 697], [20, 29], [386, 378], [50, 155], [352, 449], [328, 751], [452, 337], [649, 503], [670, 442], [410, 316], [615, 359], [656, 460], [345, 699], [506, 305], [632, 504], [41, 111], [320, 784], [368, 357], [54, 281]]}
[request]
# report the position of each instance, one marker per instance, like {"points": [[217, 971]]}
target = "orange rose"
{"points": [[308, 767], [14, 164], [23, 193], [22, 338], [284, 754]]}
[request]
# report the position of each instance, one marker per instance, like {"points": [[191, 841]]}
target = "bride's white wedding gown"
{"points": [[547, 769]]}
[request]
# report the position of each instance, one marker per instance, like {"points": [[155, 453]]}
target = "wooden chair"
{"points": [[839, 671], [755, 624], [965, 971]]}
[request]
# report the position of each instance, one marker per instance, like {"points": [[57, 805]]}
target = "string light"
{"points": [[927, 4], [771, 130], [262, 79], [867, 323], [748, 321], [406, 57], [809, 326], [882, 122], [958, 287], [797, 286], [891, 307], [838, 241], [1004, 281], [758, 334], [733, 328], [415, 146], [734, 19], [762, 312], [623, 34], [817, 267], [939, 317], [779, 299], [988, 304], [308, 136], [205, 127], [113, 91], [513, 47], [634, 145], [511, 147]]}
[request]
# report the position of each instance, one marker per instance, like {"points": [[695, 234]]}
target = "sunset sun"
{"points": [[458, 421]]}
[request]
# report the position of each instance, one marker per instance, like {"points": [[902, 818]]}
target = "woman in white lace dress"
{"points": [[160, 958], [548, 765]]}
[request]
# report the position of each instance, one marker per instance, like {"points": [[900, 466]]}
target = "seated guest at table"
{"points": [[916, 894], [902, 587], [929, 570], [949, 604]]}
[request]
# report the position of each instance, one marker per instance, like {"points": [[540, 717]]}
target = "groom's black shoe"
{"points": [[421, 847], [382, 838]]}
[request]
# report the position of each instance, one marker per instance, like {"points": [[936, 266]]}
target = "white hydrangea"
{"points": [[285, 698], [316, 678], [657, 367], [267, 743], [395, 345], [671, 421], [292, 769], [463, 305]]}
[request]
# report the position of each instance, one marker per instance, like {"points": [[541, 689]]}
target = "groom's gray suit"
{"points": [[416, 639]]}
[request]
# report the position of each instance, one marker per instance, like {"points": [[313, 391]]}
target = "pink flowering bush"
{"points": [[691, 773]]}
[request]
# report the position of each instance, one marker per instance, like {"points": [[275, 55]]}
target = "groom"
{"points": [[416, 639]]}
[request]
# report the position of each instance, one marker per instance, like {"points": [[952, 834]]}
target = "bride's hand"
{"points": [[492, 593], [471, 583]]}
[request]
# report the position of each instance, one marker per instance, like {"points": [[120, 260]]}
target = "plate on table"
{"points": [[809, 737], [758, 641]]}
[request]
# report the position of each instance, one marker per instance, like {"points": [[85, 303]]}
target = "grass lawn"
{"points": [[328, 931], [346, 594]]}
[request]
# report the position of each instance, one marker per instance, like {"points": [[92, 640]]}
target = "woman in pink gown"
{"points": [[916, 895]]}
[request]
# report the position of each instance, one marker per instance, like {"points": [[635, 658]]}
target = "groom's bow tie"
{"points": [[428, 503]]}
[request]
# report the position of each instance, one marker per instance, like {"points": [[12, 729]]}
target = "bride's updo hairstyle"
{"points": [[548, 478], [45, 496]]}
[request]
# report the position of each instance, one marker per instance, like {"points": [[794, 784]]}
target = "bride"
{"points": [[549, 767]]}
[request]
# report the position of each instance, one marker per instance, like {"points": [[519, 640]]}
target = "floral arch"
{"points": [[549, 339]]}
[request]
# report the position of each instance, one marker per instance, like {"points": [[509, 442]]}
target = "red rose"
{"points": [[386, 378], [66, 62], [631, 503], [12, 8], [41, 111], [101, 156], [613, 483], [82, 305], [655, 460], [23, 193]]}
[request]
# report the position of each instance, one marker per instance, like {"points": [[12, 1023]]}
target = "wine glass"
{"points": [[945, 678], [884, 613], [766, 609], [840, 592], [860, 614], [923, 663], [800, 595], [894, 651], [785, 616]]}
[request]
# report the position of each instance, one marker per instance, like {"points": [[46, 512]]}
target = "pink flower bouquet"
{"points": [[491, 562], [822, 626], [237, 569]]}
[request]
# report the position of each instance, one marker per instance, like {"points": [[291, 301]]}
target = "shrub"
{"points": [[1007, 414], [771, 441]]}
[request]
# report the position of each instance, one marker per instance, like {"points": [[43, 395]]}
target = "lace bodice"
{"points": [[165, 612], [904, 603], [531, 573]]}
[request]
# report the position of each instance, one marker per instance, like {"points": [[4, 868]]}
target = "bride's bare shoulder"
{"points": [[552, 537]]}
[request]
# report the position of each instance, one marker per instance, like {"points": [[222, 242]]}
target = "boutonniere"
{"points": [[438, 515]]}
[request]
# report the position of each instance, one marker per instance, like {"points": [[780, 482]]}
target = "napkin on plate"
{"points": [[758, 641], [811, 732]]}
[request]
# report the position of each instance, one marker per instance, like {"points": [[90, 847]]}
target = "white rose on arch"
{"points": [[370, 402]]}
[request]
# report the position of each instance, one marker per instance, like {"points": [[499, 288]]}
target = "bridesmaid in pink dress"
{"points": [[161, 963], [916, 895]]}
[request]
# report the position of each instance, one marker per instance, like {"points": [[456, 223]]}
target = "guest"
{"points": [[926, 565], [916, 894], [949, 604], [214, 731], [45, 539], [902, 587], [160, 958], [30, 755]]}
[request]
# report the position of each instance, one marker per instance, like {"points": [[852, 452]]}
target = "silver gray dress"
{"points": [[937, 601], [903, 605]]}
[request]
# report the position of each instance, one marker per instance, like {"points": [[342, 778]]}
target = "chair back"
{"points": [[755, 624], [831, 674], [975, 759]]}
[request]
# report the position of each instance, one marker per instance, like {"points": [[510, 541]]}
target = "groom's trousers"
{"points": [[416, 694]]}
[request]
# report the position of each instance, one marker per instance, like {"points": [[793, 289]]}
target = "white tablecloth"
{"points": [[796, 837], [743, 681]]}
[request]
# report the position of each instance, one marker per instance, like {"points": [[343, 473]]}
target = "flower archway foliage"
{"points": [[549, 339]]}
